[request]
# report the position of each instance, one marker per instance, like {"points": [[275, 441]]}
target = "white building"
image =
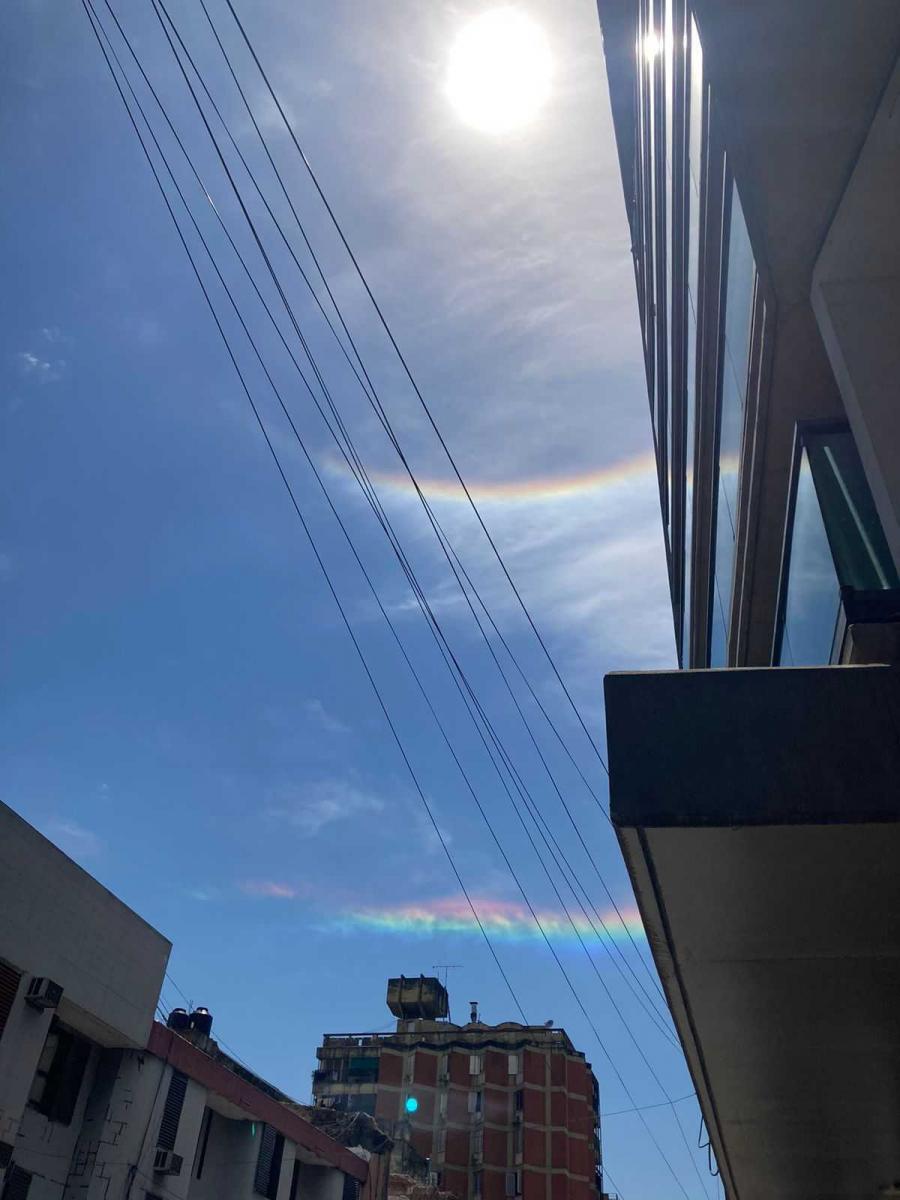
{"points": [[97, 1100]]}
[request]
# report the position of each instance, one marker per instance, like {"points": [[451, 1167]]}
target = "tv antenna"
{"points": [[446, 968]]}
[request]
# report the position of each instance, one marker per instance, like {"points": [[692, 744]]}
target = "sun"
{"points": [[499, 71]]}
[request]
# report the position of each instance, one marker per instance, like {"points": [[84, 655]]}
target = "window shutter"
{"points": [[9, 985], [168, 1126], [268, 1164], [17, 1184], [351, 1188]]}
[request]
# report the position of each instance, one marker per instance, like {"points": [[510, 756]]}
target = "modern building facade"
{"points": [[491, 1111], [758, 810], [758, 150], [97, 1100]]}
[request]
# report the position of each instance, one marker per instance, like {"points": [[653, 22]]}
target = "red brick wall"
{"points": [[387, 1105], [456, 1181], [425, 1068], [457, 1106], [421, 1141], [496, 1142], [576, 1077], [535, 1147], [559, 1148], [534, 1107], [558, 1113], [425, 1111], [390, 1068], [496, 1105], [495, 1067], [558, 1069], [535, 1067], [457, 1150], [534, 1186], [459, 1068], [493, 1185]]}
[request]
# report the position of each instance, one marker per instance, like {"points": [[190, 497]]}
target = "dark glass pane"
{"points": [[860, 550], [813, 600]]}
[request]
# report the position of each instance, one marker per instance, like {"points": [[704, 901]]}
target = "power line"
{"points": [[334, 594], [295, 504], [372, 396]]}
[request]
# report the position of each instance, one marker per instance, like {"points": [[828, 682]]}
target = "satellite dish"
{"points": [[548, 1024]]}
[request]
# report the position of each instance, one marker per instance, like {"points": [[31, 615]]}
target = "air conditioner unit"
{"points": [[6, 1149], [167, 1162], [43, 993]]}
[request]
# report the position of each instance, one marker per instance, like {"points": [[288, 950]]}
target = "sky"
{"points": [[183, 710]]}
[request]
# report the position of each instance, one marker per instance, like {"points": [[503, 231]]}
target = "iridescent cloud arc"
{"points": [[503, 920], [520, 491]]}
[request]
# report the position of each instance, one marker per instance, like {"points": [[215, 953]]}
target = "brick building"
{"points": [[489, 1111]]}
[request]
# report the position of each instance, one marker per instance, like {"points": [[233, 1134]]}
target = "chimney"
{"points": [[473, 1015]]}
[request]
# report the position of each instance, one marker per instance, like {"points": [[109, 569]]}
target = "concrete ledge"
{"points": [[694, 748]]}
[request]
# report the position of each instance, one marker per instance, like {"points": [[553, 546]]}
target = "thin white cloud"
{"points": [[311, 807], [270, 889], [73, 839], [318, 713], [40, 370]]}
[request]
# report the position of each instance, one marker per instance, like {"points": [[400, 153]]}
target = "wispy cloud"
{"points": [[73, 839], [317, 711], [270, 889], [40, 370], [314, 806]]}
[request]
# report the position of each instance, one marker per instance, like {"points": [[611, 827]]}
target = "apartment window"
{"points": [[171, 1117], [740, 286], [475, 1099], [513, 1183], [837, 565], [518, 1141], [443, 1064], [476, 1183], [59, 1074], [268, 1163], [17, 1184], [442, 1104], [476, 1064], [520, 1099], [365, 1069], [478, 1140], [440, 1143], [9, 986], [512, 1064]]}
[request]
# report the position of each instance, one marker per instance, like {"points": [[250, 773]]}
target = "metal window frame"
{"points": [[801, 428]]}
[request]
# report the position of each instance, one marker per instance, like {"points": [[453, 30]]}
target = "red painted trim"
{"points": [[166, 1044]]}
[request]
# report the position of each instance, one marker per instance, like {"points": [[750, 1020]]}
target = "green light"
{"points": [[411, 1104], [253, 1129]]}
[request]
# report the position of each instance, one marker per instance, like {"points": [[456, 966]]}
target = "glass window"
{"points": [[739, 290], [695, 151], [835, 541], [512, 1064], [669, 189]]}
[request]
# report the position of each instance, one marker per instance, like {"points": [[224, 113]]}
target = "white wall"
{"points": [[856, 298], [59, 922]]}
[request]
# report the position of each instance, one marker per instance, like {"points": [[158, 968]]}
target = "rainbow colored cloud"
{"points": [[502, 919]]}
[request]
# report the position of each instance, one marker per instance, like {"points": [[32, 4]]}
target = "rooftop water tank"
{"points": [[418, 997]]}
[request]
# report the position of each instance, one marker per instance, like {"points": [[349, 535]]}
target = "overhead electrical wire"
{"points": [[312, 543], [92, 16], [380, 515], [372, 396]]}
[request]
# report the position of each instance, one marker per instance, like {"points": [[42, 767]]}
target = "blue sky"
{"points": [[183, 711]]}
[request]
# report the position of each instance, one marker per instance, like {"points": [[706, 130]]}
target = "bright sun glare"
{"points": [[499, 72]]}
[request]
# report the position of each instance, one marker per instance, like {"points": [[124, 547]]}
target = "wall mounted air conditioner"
{"points": [[167, 1162], [43, 993]]}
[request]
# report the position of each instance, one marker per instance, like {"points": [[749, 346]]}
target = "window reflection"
{"points": [[835, 542], [695, 144], [739, 290]]}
